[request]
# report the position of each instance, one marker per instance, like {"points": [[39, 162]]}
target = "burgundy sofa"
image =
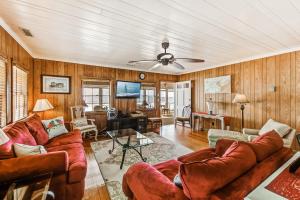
{"points": [[229, 171], [65, 158]]}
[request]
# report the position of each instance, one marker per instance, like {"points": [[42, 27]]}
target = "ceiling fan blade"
{"points": [[178, 66], [141, 61], [190, 59], [157, 65]]}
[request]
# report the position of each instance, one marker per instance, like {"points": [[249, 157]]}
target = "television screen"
{"points": [[127, 89]]}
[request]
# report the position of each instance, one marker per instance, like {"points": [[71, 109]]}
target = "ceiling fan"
{"points": [[164, 59]]}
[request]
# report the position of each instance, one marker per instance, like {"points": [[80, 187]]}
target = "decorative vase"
{"points": [[210, 106]]}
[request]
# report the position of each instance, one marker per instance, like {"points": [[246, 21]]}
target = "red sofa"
{"points": [[229, 171], [65, 158]]}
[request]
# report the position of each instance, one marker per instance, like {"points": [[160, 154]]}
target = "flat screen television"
{"points": [[126, 89]]}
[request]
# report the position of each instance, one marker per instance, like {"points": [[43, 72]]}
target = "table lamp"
{"points": [[42, 105], [242, 100]]}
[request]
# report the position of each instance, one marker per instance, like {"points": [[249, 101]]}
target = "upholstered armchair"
{"points": [[287, 133], [287, 139], [81, 123]]}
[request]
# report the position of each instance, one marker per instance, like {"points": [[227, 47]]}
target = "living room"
{"points": [[149, 100]]}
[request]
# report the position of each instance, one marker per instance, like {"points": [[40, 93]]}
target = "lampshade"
{"points": [[42, 105], [240, 98]]}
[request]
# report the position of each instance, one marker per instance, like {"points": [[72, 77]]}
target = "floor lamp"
{"points": [[242, 100], [42, 105]]}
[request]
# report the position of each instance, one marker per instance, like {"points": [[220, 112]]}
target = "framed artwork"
{"points": [[56, 84], [221, 84]]}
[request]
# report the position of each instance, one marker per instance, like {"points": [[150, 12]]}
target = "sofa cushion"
{"points": [[266, 144], [199, 179], [222, 145], [168, 168], [77, 161], [19, 133], [200, 155], [68, 138], [281, 129], [5, 146], [37, 130]]}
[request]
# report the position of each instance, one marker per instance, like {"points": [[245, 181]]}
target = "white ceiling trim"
{"points": [[15, 36]]}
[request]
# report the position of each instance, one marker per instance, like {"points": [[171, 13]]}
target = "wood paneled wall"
{"points": [[255, 79], [13, 52], [62, 102]]}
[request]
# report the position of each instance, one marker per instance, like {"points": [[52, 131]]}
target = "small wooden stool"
{"points": [[155, 121]]}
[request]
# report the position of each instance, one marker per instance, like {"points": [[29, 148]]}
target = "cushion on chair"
{"points": [[19, 133], [68, 138], [5, 146], [183, 118], [266, 144], [37, 130], [80, 122], [86, 128], [281, 129], [199, 178]]}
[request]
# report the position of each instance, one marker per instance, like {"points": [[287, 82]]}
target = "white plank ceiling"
{"points": [[112, 32]]}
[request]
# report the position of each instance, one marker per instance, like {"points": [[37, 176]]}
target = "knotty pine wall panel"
{"points": [[13, 52], [255, 78], [63, 102]]}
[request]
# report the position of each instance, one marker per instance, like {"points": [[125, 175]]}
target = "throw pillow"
{"points": [[281, 129], [22, 150], [55, 127], [5, 146], [199, 179], [19, 133], [266, 144], [37, 129]]}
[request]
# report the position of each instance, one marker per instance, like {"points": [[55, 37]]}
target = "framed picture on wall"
{"points": [[55, 84]]}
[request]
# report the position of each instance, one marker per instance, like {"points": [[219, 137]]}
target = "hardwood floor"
{"points": [[179, 134]]}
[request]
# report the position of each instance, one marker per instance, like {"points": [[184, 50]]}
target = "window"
{"points": [[96, 93], [167, 96], [20, 96], [147, 96], [2, 93]]}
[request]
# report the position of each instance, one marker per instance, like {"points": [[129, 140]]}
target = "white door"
{"points": [[183, 96]]}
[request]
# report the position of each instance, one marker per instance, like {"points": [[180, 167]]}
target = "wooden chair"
{"points": [[80, 122], [186, 116]]}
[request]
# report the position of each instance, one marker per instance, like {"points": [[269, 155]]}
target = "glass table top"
{"points": [[129, 137]]}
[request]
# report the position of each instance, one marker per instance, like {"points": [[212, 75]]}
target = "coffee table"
{"points": [[135, 141]]}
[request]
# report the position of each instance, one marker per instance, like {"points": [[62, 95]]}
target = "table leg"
{"points": [[123, 158], [111, 150], [202, 123], [222, 124]]}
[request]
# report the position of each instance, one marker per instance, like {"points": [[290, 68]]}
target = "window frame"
{"points": [[100, 92], [144, 88]]}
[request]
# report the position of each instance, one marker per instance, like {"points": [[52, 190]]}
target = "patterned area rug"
{"points": [[109, 164]]}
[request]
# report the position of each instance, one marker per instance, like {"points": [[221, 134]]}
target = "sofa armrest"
{"points": [[250, 131], [198, 155], [143, 181], [16, 168]]}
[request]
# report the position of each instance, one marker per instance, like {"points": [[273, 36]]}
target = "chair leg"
{"points": [[96, 135]]}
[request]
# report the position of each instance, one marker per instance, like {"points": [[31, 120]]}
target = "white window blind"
{"points": [[2, 93], [20, 96]]}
